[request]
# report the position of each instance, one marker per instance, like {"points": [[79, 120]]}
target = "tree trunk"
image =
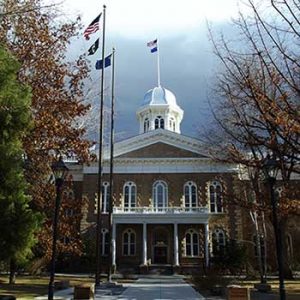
{"points": [[12, 271]]}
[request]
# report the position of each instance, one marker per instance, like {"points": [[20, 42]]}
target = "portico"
{"points": [[163, 234]]}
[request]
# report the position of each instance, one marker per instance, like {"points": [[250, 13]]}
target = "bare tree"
{"points": [[257, 93]]}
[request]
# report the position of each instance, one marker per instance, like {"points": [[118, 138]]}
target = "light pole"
{"points": [[59, 170], [270, 169]]}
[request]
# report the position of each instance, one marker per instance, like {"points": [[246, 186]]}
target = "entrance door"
{"points": [[160, 254]]}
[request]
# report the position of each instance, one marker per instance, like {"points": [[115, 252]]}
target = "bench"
{"points": [[237, 293]]}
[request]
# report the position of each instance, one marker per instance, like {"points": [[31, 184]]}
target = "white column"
{"points": [[113, 244], [206, 244], [176, 251], [144, 243]]}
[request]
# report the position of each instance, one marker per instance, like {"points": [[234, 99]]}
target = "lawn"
{"points": [[205, 284], [292, 288], [28, 287]]}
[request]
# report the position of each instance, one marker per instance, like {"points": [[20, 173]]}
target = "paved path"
{"points": [[154, 289]]}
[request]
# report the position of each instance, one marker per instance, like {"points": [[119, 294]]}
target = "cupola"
{"points": [[159, 109]]}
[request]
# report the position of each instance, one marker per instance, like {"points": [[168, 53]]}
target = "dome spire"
{"points": [[154, 48], [158, 67]]}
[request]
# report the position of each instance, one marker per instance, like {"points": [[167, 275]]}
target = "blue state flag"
{"points": [[107, 62], [153, 50]]}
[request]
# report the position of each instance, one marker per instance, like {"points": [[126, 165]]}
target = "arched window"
{"points": [[104, 242], [146, 125], [278, 192], [172, 124], [105, 197], [129, 195], [215, 197], [160, 195], [129, 242], [191, 243], [190, 194], [159, 122], [218, 242], [66, 240], [69, 212]]}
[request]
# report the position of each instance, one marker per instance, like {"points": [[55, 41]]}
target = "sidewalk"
{"points": [[160, 287], [145, 288], [154, 287]]}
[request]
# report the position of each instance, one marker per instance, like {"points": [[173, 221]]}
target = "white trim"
{"points": [[160, 218], [162, 165], [105, 197]]}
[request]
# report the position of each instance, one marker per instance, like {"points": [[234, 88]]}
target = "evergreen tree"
{"points": [[17, 221]]}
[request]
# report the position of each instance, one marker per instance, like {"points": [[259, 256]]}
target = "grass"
{"points": [[205, 284], [292, 288], [28, 287]]}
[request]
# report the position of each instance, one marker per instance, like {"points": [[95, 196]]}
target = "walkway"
{"points": [[153, 287], [160, 287]]}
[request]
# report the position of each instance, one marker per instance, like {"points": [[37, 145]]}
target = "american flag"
{"points": [[92, 28]]}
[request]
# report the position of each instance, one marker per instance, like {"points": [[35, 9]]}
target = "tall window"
{"points": [[218, 241], [105, 197], [129, 195], [146, 125], [190, 194], [192, 243], [160, 195], [159, 122], [172, 124], [129, 242], [215, 197], [262, 245], [289, 244], [104, 242]]}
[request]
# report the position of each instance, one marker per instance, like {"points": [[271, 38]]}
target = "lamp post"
{"points": [[270, 169], [59, 170]]}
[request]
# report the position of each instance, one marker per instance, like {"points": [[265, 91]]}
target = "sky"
{"points": [[188, 67]]}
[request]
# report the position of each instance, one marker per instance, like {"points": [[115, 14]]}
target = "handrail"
{"points": [[162, 210]]}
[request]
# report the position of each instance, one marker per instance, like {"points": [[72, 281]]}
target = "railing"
{"points": [[162, 210]]}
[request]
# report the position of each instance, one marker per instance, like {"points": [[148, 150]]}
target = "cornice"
{"points": [[163, 165]]}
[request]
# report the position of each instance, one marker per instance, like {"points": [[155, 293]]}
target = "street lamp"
{"points": [[270, 169], [59, 170]]}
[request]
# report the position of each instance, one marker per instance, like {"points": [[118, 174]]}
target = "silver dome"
{"points": [[159, 96]]}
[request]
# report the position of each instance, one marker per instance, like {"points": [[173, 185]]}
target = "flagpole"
{"points": [[112, 247], [158, 65], [100, 166]]}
